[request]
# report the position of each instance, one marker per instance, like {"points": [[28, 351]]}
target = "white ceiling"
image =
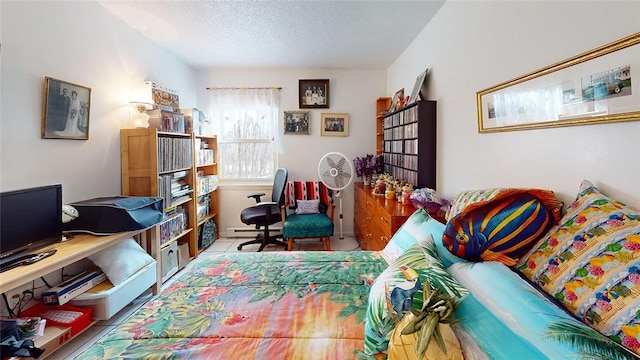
{"points": [[278, 33]]}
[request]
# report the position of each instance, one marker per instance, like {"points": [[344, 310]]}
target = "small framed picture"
{"points": [[65, 114], [397, 102], [297, 122], [420, 88], [313, 94], [334, 124]]}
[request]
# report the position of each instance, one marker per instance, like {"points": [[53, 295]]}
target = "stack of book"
{"points": [[203, 207], [206, 183], [175, 224], [174, 153], [174, 188], [166, 121]]}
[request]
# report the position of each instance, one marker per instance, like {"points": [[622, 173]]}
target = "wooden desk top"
{"points": [[70, 251]]}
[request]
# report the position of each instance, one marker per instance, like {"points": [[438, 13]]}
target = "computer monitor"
{"points": [[29, 219]]}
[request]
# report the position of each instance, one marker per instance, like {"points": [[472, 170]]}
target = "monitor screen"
{"points": [[30, 218]]}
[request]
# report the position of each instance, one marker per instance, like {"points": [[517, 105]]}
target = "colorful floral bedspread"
{"points": [[273, 305]]}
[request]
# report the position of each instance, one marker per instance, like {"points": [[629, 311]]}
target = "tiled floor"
{"points": [[222, 245]]}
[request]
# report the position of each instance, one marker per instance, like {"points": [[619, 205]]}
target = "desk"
{"points": [[71, 251]]}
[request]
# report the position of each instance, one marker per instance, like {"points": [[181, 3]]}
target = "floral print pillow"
{"points": [[590, 262]]}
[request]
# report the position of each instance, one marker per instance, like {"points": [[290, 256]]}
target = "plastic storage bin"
{"points": [[106, 303], [77, 325]]}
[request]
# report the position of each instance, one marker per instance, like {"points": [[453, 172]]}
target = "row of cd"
{"points": [[402, 132], [401, 146], [403, 117], [401, 160]]}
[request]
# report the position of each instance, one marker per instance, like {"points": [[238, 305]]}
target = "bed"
{"points": [[333, 305], [258, 305]]}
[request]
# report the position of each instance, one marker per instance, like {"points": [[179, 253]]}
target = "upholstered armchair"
{"points": [[307, 212]]}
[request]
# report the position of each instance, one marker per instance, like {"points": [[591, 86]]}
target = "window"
{"points": [[247, 123]]}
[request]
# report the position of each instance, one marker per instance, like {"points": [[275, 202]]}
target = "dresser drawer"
{"points": [[376, 219]]}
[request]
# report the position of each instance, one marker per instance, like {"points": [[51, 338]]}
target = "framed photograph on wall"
{"points": [[594, 87], [297, 122], [313, 94], [334, 124], [65, 114]]}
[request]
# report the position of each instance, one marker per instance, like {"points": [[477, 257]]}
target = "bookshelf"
{"points": [[382, 105], [206, 199], [160, 163], [410, 144]]}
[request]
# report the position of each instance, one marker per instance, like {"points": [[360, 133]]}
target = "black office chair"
{"points": [[266, 213]]}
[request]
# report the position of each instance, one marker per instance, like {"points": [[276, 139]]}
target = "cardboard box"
{"points": [[183, 255], [53, 338], [67, 290]]}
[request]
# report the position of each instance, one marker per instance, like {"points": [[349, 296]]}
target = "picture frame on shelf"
{"points": [[313, 94], [297, 122], [594, 87], [397, 101], [419, 91], [334, 124], [66, 110]]}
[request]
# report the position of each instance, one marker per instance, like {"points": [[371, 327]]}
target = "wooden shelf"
{"points": [[406, 131], [207, 169], [143, 151], [382, 104], [68, 252]]}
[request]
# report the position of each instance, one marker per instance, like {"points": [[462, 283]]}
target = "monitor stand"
{"points": [[25, 260]]}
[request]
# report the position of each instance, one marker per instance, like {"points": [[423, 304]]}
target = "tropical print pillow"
{"points": [[421, 260], [590, 262], [501, 227], [417, 227]]}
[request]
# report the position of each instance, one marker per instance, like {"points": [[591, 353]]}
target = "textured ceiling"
{"points": [[280, 34]]}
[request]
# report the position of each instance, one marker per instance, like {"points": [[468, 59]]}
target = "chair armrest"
{"points": [[256, 196], [283, 212], [265, 203]]}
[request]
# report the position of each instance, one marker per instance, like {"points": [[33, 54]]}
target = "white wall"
{"points": [[351, 91], [470, 46], [81, 43]]}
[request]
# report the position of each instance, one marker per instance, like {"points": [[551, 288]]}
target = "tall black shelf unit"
{"points": [[410, 144]]}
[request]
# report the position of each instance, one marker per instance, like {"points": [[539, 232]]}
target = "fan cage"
{"points": [[335, 171]]}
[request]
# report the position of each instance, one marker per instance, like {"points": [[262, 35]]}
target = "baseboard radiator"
{"points": [[250, 231]]}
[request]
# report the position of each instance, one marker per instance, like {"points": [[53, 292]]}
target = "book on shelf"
{"points": [[175, 223]]}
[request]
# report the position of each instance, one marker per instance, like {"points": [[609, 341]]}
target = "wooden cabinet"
{"points": [[206, 199], [157, 163], [410, 144], [376, 218], [382, 105]]}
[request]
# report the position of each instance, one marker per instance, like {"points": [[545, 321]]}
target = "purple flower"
{"points": [[368, 165]]}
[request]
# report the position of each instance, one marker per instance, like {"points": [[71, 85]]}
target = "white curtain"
{"points": [[247, 126]]}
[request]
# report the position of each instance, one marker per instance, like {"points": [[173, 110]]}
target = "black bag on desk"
{"points": [[110, 215]]}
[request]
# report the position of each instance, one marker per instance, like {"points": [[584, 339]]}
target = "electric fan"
{"points": [[336, 172]]}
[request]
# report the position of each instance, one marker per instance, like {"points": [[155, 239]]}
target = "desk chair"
{"points": [[267, 213], [311, 213]]}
